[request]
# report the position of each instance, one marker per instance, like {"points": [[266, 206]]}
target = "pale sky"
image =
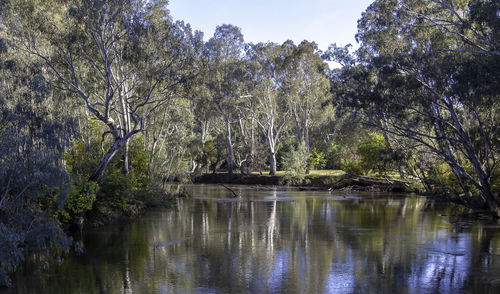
{"points": [[322, 21]]}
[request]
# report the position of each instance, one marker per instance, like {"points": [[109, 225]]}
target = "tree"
{"points": [[227, 71], [430, 70], [271, 111], [124, 59], [206, 118], [308, 88], [33, 182]]}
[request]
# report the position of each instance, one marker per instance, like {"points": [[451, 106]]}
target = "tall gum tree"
{"points": [[227, 71], [270, 110], [308, 88], [432, 68], [124, 59]]}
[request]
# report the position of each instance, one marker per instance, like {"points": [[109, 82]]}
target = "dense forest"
{"points": [[103, 102]]}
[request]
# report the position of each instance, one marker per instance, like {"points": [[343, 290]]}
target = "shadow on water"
{"points": [[284, 242]]}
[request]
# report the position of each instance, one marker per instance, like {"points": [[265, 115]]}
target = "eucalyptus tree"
{"points": [[270, 109], [308, 88], [431, 71], [226, 77], [124, 59], [33, 182], [206, 120]]}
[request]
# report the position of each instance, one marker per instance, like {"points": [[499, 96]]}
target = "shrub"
{"points": [[81, 197], [374, 154], [352, 166], [32, 180], [139, 179], [333, 156], [286, 147], [316, 159], [114, 189], [295, 164]]}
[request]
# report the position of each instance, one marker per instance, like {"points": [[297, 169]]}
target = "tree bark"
{"points": [[126, 168], [489, 197], [307, 141], [272, 158], [229, 147], [99, 171]]}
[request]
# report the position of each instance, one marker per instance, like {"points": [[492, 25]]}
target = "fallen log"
{"points": [[385, 184]]}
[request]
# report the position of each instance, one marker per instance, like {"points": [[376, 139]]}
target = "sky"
{"points": [[322, 21]]}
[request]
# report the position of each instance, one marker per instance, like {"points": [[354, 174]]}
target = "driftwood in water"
{"points": [[231, 190], [311, 189], [259, 187], [364, 183]]}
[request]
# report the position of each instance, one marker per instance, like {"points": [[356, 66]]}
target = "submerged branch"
{"points": [[231, 190]]}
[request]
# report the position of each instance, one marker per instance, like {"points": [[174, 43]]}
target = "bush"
{"points": [[32, 180], [139, 179], [374, 154], [295, 165], [333, 156], [81, 197], [81, 159], [286, 147], [352, 166], [114, 189], [316, 159]]}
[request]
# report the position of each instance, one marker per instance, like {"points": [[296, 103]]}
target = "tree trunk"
{"points": [[99, 171], [272, 158], [126, 168], [152, 154], [298, 132], [307, 141], [229, 147], [490, 198], [252, 146]]}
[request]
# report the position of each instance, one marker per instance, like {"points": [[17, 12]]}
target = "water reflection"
{"points": [[284, 242]]}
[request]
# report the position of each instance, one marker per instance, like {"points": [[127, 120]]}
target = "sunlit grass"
{"points": [[266, 173], [316, 173], [326, 172]]}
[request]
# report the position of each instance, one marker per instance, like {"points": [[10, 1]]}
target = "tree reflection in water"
{"points": [[285, 242]]}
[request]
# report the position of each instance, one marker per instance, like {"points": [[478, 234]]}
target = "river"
{"points": [[283, 241]]}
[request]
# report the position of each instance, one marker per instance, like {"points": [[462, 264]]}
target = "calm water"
{"points": [[284, 242]]}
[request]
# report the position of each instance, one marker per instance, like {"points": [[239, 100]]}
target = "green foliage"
{"points": [[428, 73], [287, 146], [446, 182], [374, 154], [442, 174], [32, 181], [295, 164], [81, 159], [114, 189], [316, 160], [139, 179], [495, 181], [333, 156], [81, 197], [352, 166]]}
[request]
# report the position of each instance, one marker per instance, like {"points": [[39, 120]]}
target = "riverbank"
{"points": [[103, 214], [344, 182]]}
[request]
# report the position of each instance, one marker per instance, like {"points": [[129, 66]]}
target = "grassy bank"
{"points": [[321, 179]]}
